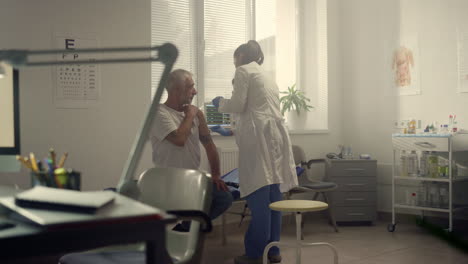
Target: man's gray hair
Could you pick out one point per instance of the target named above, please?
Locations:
(176, 77)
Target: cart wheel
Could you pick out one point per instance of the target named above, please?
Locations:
(391, 227)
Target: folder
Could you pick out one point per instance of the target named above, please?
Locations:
(121, 209)
(41, 197)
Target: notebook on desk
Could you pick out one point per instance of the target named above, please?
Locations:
(121, 208)
(41, 197)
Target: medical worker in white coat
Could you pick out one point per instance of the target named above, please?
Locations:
(266, 164)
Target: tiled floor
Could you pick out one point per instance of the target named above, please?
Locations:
(356, 245)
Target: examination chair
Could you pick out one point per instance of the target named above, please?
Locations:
(306, 184)
(181, 192)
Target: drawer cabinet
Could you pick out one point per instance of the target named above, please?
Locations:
(355, 199)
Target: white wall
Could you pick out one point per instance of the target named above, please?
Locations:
(436, 23)
(369, 28)
(98, 139)
(371, 31)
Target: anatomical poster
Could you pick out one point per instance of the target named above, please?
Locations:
(405, 68)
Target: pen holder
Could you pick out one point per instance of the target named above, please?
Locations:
(69, 180)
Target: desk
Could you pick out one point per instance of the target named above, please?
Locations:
(29, 240)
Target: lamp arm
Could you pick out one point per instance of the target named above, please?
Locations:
(126, 185)
(19, 58)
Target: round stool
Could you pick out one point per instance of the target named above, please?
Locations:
(299, 207)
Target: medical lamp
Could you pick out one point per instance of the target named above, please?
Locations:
(166, 54)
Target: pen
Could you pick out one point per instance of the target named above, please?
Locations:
(28, 162)
(52, 156)
(32, 158)
(39, 166)
(62, 160)
(51, 172)
(24, 161)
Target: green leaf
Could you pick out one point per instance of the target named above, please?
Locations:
(294, 100)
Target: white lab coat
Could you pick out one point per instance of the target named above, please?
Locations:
(265, 154)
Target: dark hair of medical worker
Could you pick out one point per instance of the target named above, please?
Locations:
(250, 52)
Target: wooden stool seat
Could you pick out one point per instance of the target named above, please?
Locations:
(300, 206)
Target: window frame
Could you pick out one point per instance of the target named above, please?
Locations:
(198, 7)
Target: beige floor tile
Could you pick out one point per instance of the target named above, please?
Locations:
(356, 245)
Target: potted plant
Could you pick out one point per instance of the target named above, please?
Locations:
(295, 102)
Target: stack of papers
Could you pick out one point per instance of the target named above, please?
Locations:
(41, 197)
(110, 206)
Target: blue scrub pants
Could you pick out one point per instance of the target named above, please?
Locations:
(265, 225)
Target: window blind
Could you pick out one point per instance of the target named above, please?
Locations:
(266, 33)
(225, 28)
(173, 21)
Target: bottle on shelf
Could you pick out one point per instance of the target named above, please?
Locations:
(412, 163)
(434, 195)
(455, 127)
(412, 126)
(432, 165)
(443, 196)
(410, 197)
(422, 194)
(446, 129)
(443, 167)
(423, 164)
(403, 163)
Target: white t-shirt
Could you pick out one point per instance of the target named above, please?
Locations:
(166, 154)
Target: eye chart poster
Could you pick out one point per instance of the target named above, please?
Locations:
(76, 85)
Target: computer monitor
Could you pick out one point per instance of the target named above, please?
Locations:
(213, 117)
(9, 118)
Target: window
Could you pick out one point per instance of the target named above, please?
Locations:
(293, 36)
(313, 63)
(275, 30)
(225, 28)
(173, 21)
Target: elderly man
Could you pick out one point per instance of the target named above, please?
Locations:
(177, 131)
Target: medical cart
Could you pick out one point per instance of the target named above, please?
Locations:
(446, 145)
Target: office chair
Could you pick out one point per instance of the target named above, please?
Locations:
(320, 187)
(181, 192)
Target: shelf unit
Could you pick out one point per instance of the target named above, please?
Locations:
(448, 143)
